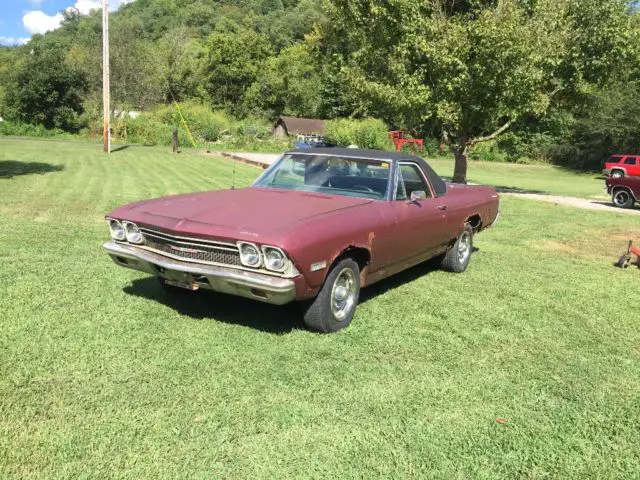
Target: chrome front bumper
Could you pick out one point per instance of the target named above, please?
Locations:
(606, 172)
(254, 285)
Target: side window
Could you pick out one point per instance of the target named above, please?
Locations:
(410, 179)
(615, 159)
(630, 161)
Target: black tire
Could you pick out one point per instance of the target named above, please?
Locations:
(457, 258)
(622, 198)
(319, 315)
(617, 174)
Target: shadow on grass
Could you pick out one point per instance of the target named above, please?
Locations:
(503, 189)
(120, 148)
(208, 305)
(15, 168)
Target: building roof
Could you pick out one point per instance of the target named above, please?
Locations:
(305, 126)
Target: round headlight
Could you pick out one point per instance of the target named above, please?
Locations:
(133, 233)
(249, 254)
(274, 259)
(116, 229)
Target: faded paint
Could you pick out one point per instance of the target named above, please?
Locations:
(316, 227)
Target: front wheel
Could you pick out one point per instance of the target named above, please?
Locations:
(333, 308)
(617, 174)
(457, 258)
(622, 199)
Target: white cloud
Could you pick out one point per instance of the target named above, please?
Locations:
(36, 21)
(10, 41)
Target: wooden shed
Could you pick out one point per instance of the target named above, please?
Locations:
(286, 126)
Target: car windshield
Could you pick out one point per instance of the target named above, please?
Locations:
(352, 177)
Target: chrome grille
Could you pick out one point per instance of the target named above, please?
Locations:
(192, 249)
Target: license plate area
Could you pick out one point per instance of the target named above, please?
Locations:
(192, 286)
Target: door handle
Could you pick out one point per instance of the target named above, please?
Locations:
(442, 207)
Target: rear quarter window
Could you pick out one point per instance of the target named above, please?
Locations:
(614, 159)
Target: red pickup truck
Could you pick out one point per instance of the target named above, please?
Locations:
(624, 191)
(622, 166)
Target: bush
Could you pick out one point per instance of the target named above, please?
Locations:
(367, 133)
(8, 128)
(204, 124)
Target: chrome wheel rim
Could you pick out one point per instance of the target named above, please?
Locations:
(621, 198)
(343, 294)
(616, 175)
(464, 247)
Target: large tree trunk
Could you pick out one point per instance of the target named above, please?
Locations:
(461, 153)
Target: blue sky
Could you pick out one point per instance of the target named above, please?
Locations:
(19, 19)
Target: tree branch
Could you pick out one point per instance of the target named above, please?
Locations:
(492, 136)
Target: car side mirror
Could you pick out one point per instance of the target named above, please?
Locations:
(418, 195)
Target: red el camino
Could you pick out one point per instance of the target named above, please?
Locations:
(316, 227)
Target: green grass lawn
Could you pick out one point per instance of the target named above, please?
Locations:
(104, 376)
(544, 179)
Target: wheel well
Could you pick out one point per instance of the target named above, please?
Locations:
(618, 169)
(359, 254)
(475, 221)
(622, 187)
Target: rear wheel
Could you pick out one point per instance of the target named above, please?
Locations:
(333, 308)
(457, 258)
(617, 174)
(622, 199)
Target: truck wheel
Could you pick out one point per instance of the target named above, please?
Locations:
(458, 256)
(622, 199)
(617, 174)
(333, 308)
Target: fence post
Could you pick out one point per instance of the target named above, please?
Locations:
(174, 140)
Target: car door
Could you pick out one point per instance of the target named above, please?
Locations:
(421, 223)
(633, 166)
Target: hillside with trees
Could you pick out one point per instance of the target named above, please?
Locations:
(515, 80)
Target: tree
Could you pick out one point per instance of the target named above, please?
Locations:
(289, 83)
(472, 68)
(44, 89)
(236, 57)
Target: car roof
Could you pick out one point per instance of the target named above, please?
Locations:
(437, 182)
(357, 153)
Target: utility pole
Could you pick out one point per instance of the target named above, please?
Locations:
(106, 92)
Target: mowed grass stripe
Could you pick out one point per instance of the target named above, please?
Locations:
(105, 376)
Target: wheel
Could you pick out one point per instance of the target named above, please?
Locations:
(333, 308)
(458, 256)
(622, 199)
(617, 174)
(623, 261)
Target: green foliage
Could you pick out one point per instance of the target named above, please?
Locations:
(366, 133)
(290, 84)
(235, 58)
(44, 90)
(416, 64)
(8, 128)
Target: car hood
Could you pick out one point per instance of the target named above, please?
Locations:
(243, 214)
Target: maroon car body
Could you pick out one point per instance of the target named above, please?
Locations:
(201, 240)
(624, 191)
